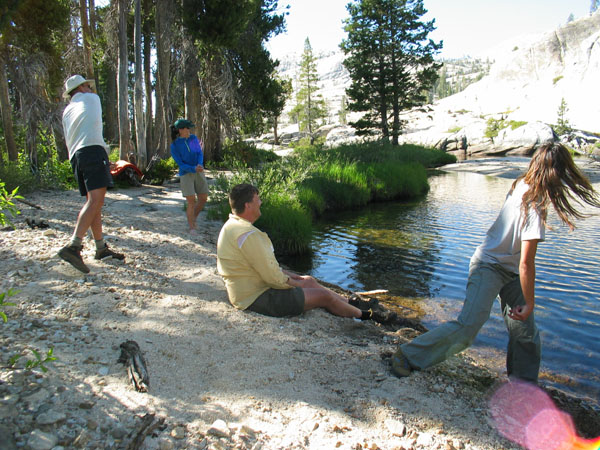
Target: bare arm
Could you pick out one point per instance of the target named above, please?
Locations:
(527, 278)
(295, 280)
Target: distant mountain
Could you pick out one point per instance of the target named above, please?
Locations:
(522, 81)
(528, 80)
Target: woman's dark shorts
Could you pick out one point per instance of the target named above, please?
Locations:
(279, 302)
(91, 168)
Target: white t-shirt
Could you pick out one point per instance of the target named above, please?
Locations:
(82, 122)
(502, 243)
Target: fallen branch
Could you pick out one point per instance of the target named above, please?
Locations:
(28, 203)
(373, 292)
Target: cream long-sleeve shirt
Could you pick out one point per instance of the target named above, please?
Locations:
(247, 263)
(82, 122)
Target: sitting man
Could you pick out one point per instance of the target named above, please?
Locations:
(254, 280)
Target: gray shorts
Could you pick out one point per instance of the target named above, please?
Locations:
(193, 183)
(279, 302)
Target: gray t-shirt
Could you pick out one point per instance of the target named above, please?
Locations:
(502, 243)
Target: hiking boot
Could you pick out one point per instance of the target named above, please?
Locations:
(400, 365)
(106, 252)
(383, 316)
(359, 302)
(72, 255)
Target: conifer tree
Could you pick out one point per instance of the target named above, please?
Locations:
(562, 123)
(310, 106)
(390, 60)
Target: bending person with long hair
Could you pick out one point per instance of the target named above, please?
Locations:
(504, 266)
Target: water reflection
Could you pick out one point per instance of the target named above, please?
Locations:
(422, 250)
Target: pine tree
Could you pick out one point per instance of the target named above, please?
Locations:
(390, 60)
(562, 123)
(310, 106)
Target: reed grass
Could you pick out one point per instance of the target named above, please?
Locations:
(294, 190)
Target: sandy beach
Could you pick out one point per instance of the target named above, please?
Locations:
(219, 378)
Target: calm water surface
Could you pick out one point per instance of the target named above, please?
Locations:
(422, 250)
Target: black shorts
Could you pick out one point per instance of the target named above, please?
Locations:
(279, 302)
(91, 168)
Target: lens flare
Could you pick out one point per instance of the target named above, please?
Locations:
(526, 415)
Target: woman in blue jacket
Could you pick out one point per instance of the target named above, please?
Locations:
(187, 153)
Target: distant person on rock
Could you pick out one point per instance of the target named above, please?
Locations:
(253, 277)
(504, 266)
(187, 153)
(88, 153)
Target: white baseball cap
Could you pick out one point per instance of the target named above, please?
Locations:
(74, 82)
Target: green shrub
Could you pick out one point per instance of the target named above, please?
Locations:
(557, 79)
(454, 129)
(246, 154)
(7, 207)
(114, 154)
(162, 170)
(514, 124)
(494, 126)
(50, 174)
(17, 174)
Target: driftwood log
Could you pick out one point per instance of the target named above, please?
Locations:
(133, 359)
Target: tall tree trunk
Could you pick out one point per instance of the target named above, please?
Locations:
(275, 133)
(31, 145)
(87, 41)
(109, 107)
(191, 83)
(6, 110)
(124, 131)
(140, 127)
(164, 39)
(147, 32)
(59, 138)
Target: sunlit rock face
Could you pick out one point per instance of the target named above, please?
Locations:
(527, 81)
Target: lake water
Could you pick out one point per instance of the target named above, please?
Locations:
(422, 249)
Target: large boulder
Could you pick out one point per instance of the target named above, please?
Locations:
(340, 135)
(523, 141)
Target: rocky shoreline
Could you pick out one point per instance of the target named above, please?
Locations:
(219, 378)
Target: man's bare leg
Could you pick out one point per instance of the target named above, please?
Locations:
(91, 214)
(324, 298)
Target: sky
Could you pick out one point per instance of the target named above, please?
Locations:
(467, 27)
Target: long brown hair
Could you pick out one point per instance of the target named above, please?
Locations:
(554, 178)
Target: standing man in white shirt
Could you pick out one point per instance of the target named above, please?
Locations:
(88, 153)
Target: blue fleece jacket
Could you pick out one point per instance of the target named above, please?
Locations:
(187, 153)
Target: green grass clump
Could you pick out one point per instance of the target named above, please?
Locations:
(287, 223)
(316, 179)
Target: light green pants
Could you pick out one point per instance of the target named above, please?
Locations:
(486, 282)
